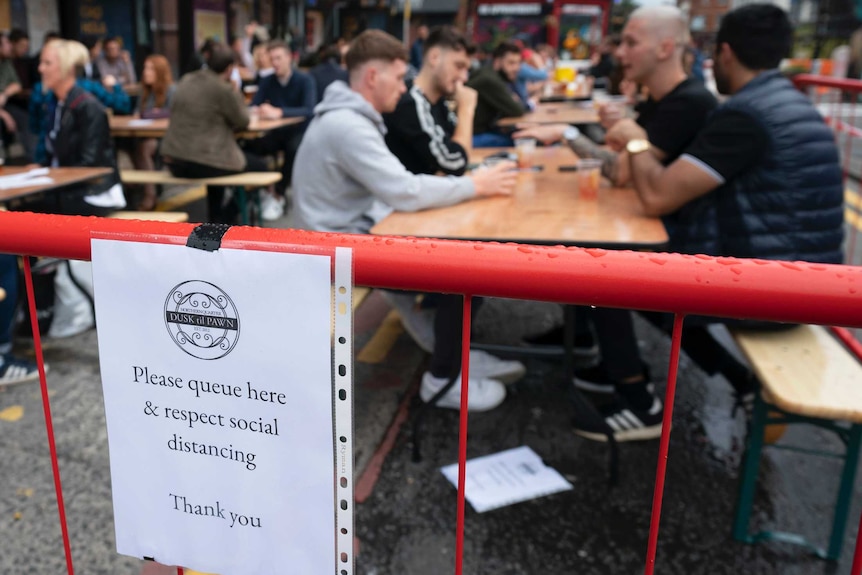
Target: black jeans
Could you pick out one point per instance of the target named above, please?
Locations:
(216, 211)
(621, 356)
(285, 140)
(448, 329)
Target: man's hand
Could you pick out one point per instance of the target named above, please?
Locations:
(269, 112)
(126, 56)
(623, 132)
(109, 81)
(610, 113)
(498, 180)
(466, 97)
(545, 133)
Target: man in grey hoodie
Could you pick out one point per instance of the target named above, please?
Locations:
(343, 166)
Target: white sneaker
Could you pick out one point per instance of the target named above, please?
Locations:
(73, 313)
(271, 207)
(485, 365)
(484, 394)
(418, 322)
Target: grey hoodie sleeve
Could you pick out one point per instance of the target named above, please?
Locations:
(368, 161)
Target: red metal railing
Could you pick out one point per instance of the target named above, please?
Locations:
(680, 284)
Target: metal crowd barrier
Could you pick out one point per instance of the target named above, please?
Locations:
(679, 284)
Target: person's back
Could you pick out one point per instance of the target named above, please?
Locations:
(326, 73)
(205, 113)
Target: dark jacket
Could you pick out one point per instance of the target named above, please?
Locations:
(790, 206)
(205, 113)
(84, 139)
(296, 98)
(325, 74)
(496, 100)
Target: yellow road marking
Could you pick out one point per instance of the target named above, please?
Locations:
(376, 350)
(182, 199)
(13, 413)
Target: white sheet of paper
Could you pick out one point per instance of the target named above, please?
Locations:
(507, 477)
(38, 181)
(219, 511)
(139, 123)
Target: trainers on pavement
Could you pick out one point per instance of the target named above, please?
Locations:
(271, 207)
(484, 394)
(15, 370)
(627, 423)
(485, 365)
(418, 322)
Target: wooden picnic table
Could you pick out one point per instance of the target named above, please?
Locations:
(559, 113)
(61, 177)
(134, 127)
(546, 208)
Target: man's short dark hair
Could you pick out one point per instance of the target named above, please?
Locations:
(278, 44)
(759, 34)
(374, 45)
(110, 39)
(446, 37)
(17, 34)
(220, 58)
(504, 48)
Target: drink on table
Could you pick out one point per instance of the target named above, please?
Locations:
(589, 178)
(525, 149)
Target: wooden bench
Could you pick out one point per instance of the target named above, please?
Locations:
(806, 376)
(178, 217)
(237, 181)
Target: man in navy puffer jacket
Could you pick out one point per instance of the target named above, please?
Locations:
(761, 180)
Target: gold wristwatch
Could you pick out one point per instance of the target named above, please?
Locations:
(637, 146)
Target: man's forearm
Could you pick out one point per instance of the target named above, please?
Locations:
(646, 171)
(586, 148)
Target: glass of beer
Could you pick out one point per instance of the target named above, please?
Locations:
(525, 149)
(589, 178)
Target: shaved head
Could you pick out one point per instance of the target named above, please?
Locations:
(663, 23)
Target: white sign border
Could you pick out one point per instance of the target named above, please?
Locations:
(342, 374)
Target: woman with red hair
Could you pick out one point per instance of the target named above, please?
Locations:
(157, 90)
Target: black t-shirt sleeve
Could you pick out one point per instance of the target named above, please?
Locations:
(730, 143)
(675, 123)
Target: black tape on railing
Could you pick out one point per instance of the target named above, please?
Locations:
(207, 237)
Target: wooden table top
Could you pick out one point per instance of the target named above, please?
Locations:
(562, 113)
(133, 127)
(545, 208)
(61, 177)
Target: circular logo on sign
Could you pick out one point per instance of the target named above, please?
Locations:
(202, 319)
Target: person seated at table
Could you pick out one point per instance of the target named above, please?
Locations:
(13, 120)
(116, 62)
(330, 69)
(287, 93)
(602, 62)
(343, 166)
(200, 143)
(262, 64)
(651, 54)
(497, 97)
(532, 75)
(107, 91)
(79, 136)
(423, 136)
(94, 47)
(13, 369)
(157, 92)
(762, 179)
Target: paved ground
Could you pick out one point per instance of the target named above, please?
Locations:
(406, 519)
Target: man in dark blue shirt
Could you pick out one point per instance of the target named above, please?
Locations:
(286, 93)
(328, 70)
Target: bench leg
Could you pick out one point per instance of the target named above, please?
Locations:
(242, 200)
(845, 492)
(750, 469)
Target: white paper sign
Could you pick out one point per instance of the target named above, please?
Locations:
(505, 478)
(217, 377)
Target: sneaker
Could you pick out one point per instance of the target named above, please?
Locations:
(584, 347)
(626, 422)
(484, 394)
(485, 365)
(14, 370)
(418, 322)
(271, 206)
(596, 380)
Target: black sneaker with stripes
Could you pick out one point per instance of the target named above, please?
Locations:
(627, 423)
